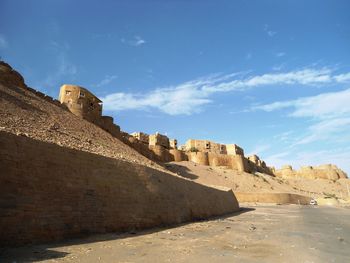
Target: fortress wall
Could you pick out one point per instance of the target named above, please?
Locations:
(276, 198)
(328, 171)
(199, 157)
(239, 163)
(162, 154)
(285, 172)
(178, 155)
(51, 193)
(219, 160)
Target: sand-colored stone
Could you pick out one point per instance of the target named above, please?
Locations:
(276, 198)
(173, 144)
(325, 171)
(51, 192)
(159, 139)
(142, 137)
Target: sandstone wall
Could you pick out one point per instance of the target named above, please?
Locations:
(199, 157)
(276, 198)
(50, 193)
(326, 171)
(178, 155)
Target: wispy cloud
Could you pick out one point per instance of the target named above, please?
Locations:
(189, 97)
(329, 113)
(3, 42)
(64, 70)
(105, 81)
(322, 106)
(135, 41)
(280, 54)
(260, 148)
(343, 77)
(249, 56)
(268, 31)
(337, 156)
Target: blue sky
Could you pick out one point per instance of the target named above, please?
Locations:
(271, 76)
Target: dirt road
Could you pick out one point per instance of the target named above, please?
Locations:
(257, 234)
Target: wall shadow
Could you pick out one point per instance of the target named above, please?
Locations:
(181, 170)
(35, 253)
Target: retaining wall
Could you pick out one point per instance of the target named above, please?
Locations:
(276, 198)
(48, 193)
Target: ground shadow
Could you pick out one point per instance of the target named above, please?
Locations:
(35, 253)
(180, 170)
(20, 103)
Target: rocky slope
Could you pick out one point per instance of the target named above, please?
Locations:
(26, 112)
(261, 183)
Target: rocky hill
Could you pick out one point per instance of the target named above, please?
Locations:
(26, 112)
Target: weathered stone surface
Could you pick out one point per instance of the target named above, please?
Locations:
(325, 171)
(50, 193)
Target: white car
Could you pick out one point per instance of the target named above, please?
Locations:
(313, 202)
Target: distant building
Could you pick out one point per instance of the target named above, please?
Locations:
(173, 144)
(202, 146)
(142, 137)
(159, 139)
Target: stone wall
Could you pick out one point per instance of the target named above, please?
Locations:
(159, 139)
(325, 171)
(275, 198)
(236, 162)
(50, 193)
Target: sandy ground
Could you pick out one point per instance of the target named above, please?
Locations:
(257, 234)
(245, 182)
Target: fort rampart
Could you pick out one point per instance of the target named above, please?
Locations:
(49, 193)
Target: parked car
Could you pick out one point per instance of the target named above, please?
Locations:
(313, 202)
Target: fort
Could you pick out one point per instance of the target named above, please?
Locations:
(326, 171)
(158, 147)
(68, 171)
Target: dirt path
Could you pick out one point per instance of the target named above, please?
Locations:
(260, 234)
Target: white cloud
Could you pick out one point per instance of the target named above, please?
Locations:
(135, 41)
(64, 68)
(329, 112)
(343, 77)
(280, 54)
(326, 105)
(337, 156)
(183, 99)
(3, 42)
(259, 149)
(189, 97)
(268, 31)
(105, 81)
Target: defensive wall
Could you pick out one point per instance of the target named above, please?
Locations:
(230, 155)
(50, 193)
(275, 198)
(326, 171)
